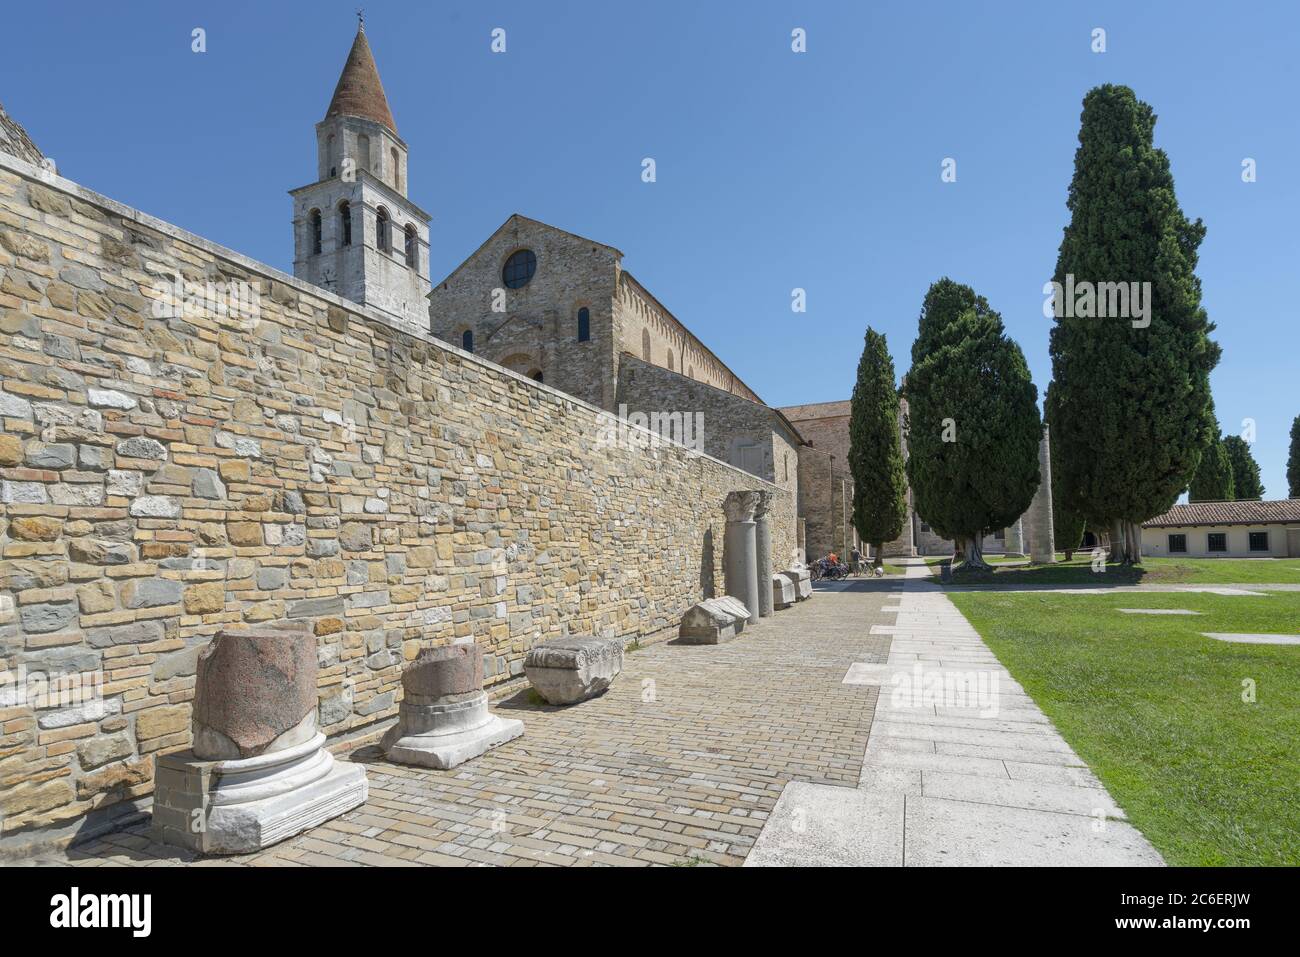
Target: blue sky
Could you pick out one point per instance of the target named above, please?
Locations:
(775, 170)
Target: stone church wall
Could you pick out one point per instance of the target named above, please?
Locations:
(163, 477)
(539, 327)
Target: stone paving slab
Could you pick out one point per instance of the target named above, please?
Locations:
(1158, 611)
(983, 776)
(1251, 639)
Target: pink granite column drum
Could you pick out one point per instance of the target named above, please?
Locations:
(443, 719)
(255, 692)
(257, 772)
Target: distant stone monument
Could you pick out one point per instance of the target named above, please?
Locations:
(1037, 522)
(443, 719)
(257, 772)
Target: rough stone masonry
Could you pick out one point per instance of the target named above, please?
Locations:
(166, 476)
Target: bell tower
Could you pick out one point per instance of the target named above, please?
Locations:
(355, 231)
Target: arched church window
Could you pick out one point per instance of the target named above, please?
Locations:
(519, 268)
(397, 168)
(383, 231)
(584, 325)
(345, 222)
(412, 246)
(645, 344)
(467, 340)
(314, 220)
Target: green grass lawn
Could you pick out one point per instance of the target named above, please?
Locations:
(1191, 571)
(1156, 710)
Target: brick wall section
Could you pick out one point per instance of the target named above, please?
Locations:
(163, 478)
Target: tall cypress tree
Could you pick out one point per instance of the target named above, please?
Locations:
(1212, 481)
(1067, 526)
(1134, 393)
(875, 453)
(1293, 461)
(1246, 483)
(973, 424)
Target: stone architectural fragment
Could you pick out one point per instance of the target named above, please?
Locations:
(763, 547)
(443, 719)
(783, 591)
(258, 772)
(713, 621)
(801, 578)
(741, 549)
(570, 670)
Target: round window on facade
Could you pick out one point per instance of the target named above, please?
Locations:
(519, 268)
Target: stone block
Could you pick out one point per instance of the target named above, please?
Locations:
(783, 591)
(713, 621)
(569, 670)
(802, 579)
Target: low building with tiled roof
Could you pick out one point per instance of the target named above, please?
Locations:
(1226, 530)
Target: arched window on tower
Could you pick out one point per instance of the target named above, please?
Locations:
(584, 325)
(467, 340)
(363, 152)
(645, 344)
(412, 246)
(329, 155)
(314, 225)
(383, 231)
(397, 168)
(345, 223)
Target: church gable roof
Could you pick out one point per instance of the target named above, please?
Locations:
(359, 91)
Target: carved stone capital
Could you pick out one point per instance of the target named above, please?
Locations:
(739, 506)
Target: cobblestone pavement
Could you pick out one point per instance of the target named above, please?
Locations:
(679, 763)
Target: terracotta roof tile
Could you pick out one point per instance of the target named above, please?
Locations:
(1228, 513)
(359, 92)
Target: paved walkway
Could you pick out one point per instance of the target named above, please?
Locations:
(681, 762)
(961, 767)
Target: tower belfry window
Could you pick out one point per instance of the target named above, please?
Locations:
(383, 231)
(412, 246)
(345, 223)
(314, 219)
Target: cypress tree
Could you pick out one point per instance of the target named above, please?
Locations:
(973, 424)
(1067, 526)
(1212, 481)
(875, 453)
(1246, 483)
(1134, 393)
(1293, 461)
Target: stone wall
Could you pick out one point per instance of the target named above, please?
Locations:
(165, 476)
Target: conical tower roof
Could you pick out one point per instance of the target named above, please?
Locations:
(359, 92)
